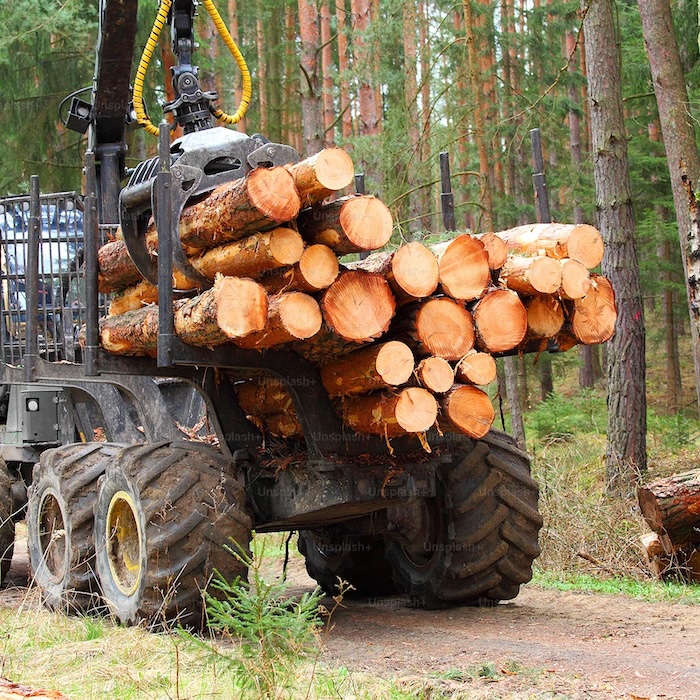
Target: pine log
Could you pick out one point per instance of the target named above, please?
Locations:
(496, 249)
(437, 326)
(657, 559)
(575, 279)
(476, 368)
(530, 276)
(412, 410)
(358, 306)
(232, 308)
(375, 367)
(500, 321)
(412, 271)
(435, 374)
(132, 298)
(321, 175)
(593, 317)
(291, 316)
(467, 409)
(116, 268)
(262, 200)
(15, 691)
(671, 507)
(348, 225)
(283, 425)
(545, 316)
(266, 396)
(464, 267)
(325, 346)
(317, 269)
(579, 242)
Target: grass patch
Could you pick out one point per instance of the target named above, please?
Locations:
(650, 591)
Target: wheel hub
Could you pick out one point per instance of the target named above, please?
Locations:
(52, 536)
(123, 544)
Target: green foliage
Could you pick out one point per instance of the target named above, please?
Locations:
(562, 417)
(268, 635)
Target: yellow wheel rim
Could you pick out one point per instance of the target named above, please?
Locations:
(124, 543)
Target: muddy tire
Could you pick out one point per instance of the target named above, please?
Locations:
(479, 534)
(59, 523)
(359, 561)
(164, 514)
(7, 521)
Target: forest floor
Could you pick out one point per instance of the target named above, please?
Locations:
(543, 644)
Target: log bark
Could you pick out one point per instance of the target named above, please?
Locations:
(671, 507)
(116, 268)
(464, 267)
(348, 225)
(412, 410)
(412, 271)
(496, 249)
(468, 410)
(531, 275)
(316, 270)
(283, 425)
(593, 317)
(15, 691)
(321, 175)
(232, 308)
(437, 326)
(579, 242)
(500, 321)
(545, 316)
(657, 559)
(291, 316)
(325, 346)
(261, 201)
(264, 397)
(249, 257)
(476, 368)
(575, 279)
(358, 306)
(435, 374)
(376, 367)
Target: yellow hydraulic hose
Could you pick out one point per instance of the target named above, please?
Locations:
(149, 48)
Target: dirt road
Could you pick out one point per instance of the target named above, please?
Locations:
(543, 644)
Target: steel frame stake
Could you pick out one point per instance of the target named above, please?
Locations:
(164, 226)
(447, 201)
(32, 280)
(92, 332)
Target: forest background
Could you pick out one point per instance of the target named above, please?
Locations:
(397, 82)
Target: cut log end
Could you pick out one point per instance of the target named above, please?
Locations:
(464, 267)
(416, 410)
(500, 320)
(528, 275)
(575, 279)
(545, 316)
(318, 266)
(476, 368)
(241, 306)
(469, 410)
(585, 245)
(366, 222)
(286, 245)
(359, 306)
(415, 270)
(594, 316)
(444, 328)
(496, 250)
(435, 374)
(273, 193)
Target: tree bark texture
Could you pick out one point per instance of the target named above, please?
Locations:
(626, 445)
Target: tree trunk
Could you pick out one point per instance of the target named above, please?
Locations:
(677, 129)
(369, 109)
(343, 68)
(326, 73)
(626, 444)
(311, 106)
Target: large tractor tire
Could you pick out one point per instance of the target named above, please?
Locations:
(477, 537)
(164, 514)
(7, 521)
(59, 523)
(357, 560)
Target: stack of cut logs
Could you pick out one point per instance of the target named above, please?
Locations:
(671, 507)
(403, 339)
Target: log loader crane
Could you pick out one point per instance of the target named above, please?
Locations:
(121, 510)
